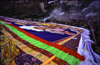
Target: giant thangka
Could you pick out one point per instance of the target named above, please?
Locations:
(49, 43)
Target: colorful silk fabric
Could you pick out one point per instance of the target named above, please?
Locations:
(42, 48)
(8, 49)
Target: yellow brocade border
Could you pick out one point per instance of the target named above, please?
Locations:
(28, 50)
(62, 42)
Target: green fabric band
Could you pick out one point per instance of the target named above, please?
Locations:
(60, 54)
